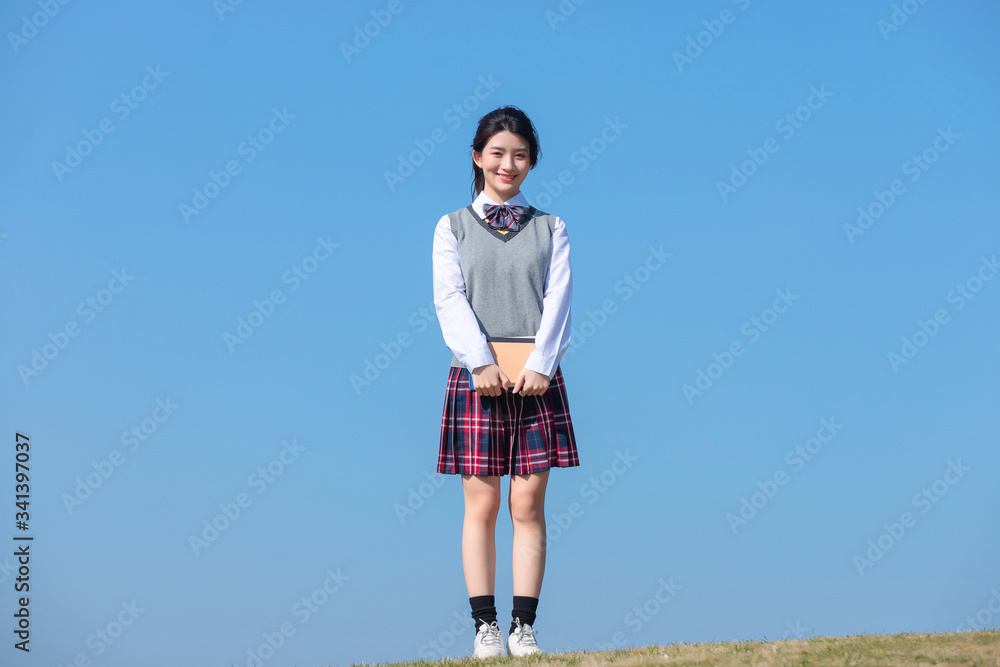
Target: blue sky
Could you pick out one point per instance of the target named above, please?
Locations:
(217, 218)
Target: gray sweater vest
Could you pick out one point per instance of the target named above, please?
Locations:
(504, 273)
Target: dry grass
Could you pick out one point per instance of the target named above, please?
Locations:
(970, 649)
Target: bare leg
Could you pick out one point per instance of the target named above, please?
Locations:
(527, 512)
(479, 553)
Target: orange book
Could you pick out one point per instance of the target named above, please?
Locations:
(510, 354)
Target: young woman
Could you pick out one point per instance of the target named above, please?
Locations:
(501, 269)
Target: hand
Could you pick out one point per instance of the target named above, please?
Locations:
(531, 383)
(489, 380)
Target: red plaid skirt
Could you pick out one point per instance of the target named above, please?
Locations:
(488, 435)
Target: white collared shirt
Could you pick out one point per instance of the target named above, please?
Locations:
(458, 321)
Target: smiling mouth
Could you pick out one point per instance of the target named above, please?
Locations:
(505, 178)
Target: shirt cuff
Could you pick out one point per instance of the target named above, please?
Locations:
(536, 362)
(474, 361)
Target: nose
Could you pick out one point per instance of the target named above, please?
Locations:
(508, 163)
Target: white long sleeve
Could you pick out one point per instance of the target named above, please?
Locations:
(456, 317)
(552, 339)
(460, 326)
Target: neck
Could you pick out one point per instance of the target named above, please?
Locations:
(492, 194)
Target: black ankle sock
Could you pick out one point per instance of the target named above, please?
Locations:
(524, 609)
(483, 610)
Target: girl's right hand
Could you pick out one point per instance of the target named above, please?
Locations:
(489, 380)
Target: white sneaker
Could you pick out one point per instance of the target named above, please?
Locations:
(521, 641)
(489, 641)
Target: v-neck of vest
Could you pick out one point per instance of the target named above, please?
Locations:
(529, 215)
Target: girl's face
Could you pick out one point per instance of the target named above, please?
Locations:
(505, 162)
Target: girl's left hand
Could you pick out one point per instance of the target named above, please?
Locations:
(531, 383)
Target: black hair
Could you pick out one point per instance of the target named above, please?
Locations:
(508, 118)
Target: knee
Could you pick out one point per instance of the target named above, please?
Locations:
(484, 508)
(526, 510)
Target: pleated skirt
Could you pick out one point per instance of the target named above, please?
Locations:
(506, 434)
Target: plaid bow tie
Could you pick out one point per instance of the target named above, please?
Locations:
(503, 217)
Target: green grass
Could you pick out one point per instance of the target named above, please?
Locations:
(971, 649)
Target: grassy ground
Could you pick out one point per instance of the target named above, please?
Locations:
(973, 649)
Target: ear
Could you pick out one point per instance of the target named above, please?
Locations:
(477, 158)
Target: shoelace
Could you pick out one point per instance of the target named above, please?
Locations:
(525, 634)
(491, 635)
